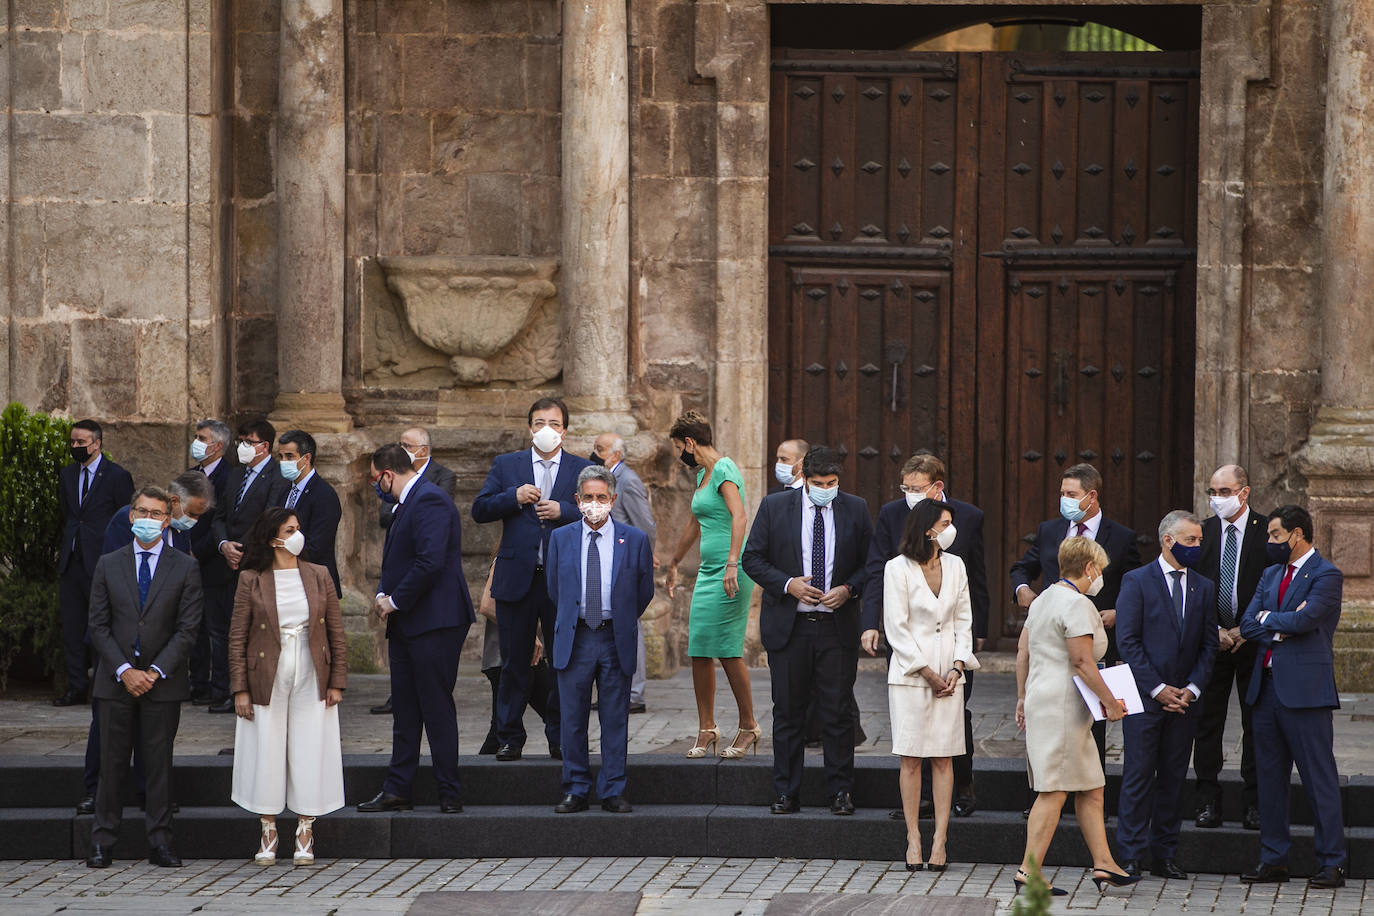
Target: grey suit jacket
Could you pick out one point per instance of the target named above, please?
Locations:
(632, 503)
(165, 630)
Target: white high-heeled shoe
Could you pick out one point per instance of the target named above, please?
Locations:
(305, 842)
(267, 849)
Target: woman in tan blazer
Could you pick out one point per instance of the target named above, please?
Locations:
(287, 670)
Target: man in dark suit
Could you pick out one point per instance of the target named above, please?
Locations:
(1293, 618)
(209, 450)
(807, 550)
(531, 494)
(88, 492)
(601, 578)
(1233, 556)
(923, 477)
(416, 442)
(145, 608)
(1080, 511)
(1167, 631)
(424, 600)
(251, 487)
(312, 498)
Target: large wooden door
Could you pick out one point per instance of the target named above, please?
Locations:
(991, 256)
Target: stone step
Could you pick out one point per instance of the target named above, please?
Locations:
(651, 830)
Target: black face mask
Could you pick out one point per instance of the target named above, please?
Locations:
(594, 458)
(688, 458)
(81, 453)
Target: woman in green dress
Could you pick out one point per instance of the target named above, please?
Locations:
(720, 599)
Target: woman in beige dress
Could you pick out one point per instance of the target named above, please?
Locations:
(929, 624)
(1063, 637)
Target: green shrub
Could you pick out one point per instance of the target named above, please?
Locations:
(33, 448)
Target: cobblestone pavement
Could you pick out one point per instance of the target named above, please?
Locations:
(701, 887)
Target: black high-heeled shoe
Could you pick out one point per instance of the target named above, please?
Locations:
(1020, 879)
(915, 866)
(1112, 879)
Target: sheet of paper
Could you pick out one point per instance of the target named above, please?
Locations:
(1121, 682)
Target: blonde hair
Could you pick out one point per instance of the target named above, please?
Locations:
(1076, 553)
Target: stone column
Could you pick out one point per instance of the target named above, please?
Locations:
(310, 214)
(1338, 459)
(595, 274)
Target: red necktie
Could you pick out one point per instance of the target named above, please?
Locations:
(1283, 590)
(1082, 528)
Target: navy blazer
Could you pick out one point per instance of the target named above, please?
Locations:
(213, 570)
(1041, 560)
(318, 511)
(232, 523)
(422, 565)
(119, 532)
(111, 487)
(1150, 638)
(435, 473)
(967, 546)
(1304, 666)
(522, 532)
(1252, 557)
(632, 588)
(773, 554)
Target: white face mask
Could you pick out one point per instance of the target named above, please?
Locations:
(294, 543)
(247, 453)
(413, 456)
(1225, 507)
(595, 513)
(945, 539)
(1095, 586)
(913, 498)
(783, 472)
(547, 439)
(199, 450)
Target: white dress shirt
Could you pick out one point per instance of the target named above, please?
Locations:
(210, 468)
(155, 552)
(797, 482)
(538, 467)
(1169, 584)
(604, 548)
(808, 522)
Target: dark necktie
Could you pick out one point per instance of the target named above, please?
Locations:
(818, 549)
(291, 497)
(145, 576)
(593, 579)
(1226, 606)
(1176, 592)
(243, 490)
(85, 484)
(1082, 529)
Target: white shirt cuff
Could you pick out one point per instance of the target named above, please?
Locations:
(119, 672)
(1196, 691)
(788, 584)
(1261, 616)
(1154, 693)
(388, 601)
(1018, 589)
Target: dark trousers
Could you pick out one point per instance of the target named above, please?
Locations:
(219, 609)
(594, 661)
(156, 729)
(201, 664)
(815, 662)
(516, 625)
(1231, 668)
(540, 677)
(90, 779)
(424, 669)
(1284, 737)
(963, 764)
(1154, 769)
(74, 601)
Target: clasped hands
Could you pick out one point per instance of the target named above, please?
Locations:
(1174, 699)
(1229, 640)
(547, 510)
(943, 686)
(137, 681)
(801, 589)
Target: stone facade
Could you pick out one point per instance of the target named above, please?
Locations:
(154, 154)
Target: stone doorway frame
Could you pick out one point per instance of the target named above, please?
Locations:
(733, 49)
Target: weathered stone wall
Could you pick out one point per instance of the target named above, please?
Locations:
(108, 179)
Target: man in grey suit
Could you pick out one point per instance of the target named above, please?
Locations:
(145, 613)
(631, 508)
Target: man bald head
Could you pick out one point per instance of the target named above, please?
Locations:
(416, 443)
(789, 460)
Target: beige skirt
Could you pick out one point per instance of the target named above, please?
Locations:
(923, 726)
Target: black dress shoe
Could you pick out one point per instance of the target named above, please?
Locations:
(638, 708)
(221, 706)
(555, 752)
(1168, 868)
(1251, 821)
(571, 804)
(1131, 867)
(1209, 816)
(896, 814)
(200, 697)
(382, 710)
(70, 698)
(384, 801)
(785, 804)
(163, 857)
(86, 805)
(616, 804)
(1266, 874)
(965, 805)
(1331, 876)
(100, 857)
(507, 752)
(450, 805)
(842, 804)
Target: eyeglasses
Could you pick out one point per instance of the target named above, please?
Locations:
(1223, 492)
(552, 424)
(252, 442)
(602, 498)
(906, 489)
(156, 515)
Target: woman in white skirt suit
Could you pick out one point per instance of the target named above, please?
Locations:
(929, 625)
(287, 669)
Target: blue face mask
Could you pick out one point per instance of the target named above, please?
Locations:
(146, 530)
(1069, 508)
(821, 496)
(1187, 557)
(290, 469)
(783, 472)
(1277, 553)
(383, 495)
(183, 523)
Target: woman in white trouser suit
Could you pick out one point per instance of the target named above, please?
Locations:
(287, 670)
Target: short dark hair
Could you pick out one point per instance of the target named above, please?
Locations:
(91, 427)
(302, 440)
(691, 425)
(156, 493)
(1087, 475)
(1294, 518)
(391, 457)
(822, 461)
(257, 548)
(260, 428)
(545, 404)
(915, 544)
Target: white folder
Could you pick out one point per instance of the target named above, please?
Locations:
(1121, 682)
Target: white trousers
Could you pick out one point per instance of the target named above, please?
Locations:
(290, 754)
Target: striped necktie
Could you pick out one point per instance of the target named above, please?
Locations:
(1226, 607)
(247, 482)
